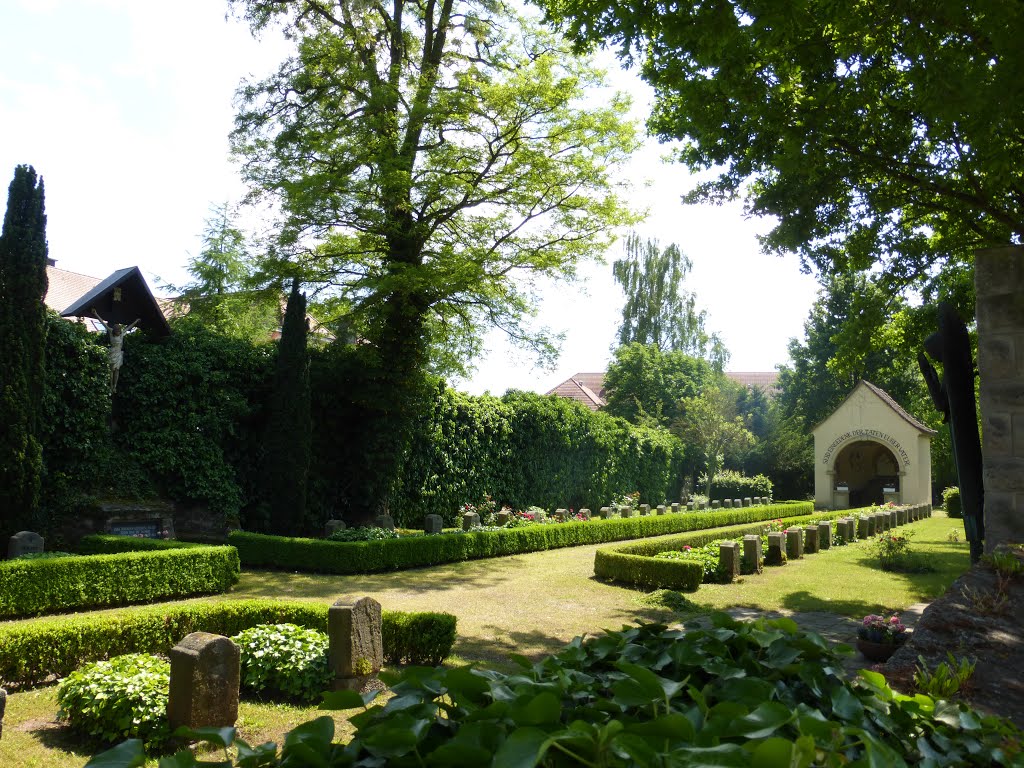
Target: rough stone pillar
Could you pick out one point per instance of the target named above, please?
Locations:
(355, 649)
(824, 535)
(205, 673)
(811, 539)
(470, 520)
(435, 523)
(625, 511)
(776, 548)
(851, 529)
(333, 525)
(662, 509)
(794, 543)
(606, 513)
(729, 559)
(24, 543)
(862, 528)
(752, 554)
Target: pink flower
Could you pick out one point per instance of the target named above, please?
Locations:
(686, 548)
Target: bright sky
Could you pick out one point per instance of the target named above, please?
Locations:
(124, 107)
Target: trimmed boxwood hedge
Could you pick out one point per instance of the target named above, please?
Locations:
(635, 563)
(109, 544)
(320, 555)
(31, 652)
(33, 587)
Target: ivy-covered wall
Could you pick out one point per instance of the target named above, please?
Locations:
(189, 420)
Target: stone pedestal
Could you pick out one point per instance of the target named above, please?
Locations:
(205, 674)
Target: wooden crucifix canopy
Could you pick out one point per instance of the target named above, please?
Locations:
(122, 298)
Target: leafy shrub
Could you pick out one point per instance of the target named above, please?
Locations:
(108, 544)
(32, 651)
(947, 679)
(363, 534)
(257, 550)
(648, 572)
(735, 694)
(707, 556)
(125, 697)
(43, 555)
(894, 553)
(284, 660)
(730, 484)
(32, 587)
(951, 501)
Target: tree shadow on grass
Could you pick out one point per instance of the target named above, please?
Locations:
(803, 601)
(54, 735)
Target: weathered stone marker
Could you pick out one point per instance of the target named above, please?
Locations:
(24, 543)
(3, 706)
(606, 512)
(752, 554)
(862, 528)
(690, 506)
(585, 513)
(470, 520)
(385, 521)
(714, 505)
(645, 509)
(811, 539)
(355, 650)
(794, 543)
(729, 559)
(333, 525)
(662, 509)
(776, 548)
(757, 501)
(727, 503)
(561, 514)
(747, 501)
(625, 511)
(205, 673)
(433, 524)
(675, 507)
(824, 535)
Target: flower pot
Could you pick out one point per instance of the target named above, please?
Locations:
(877, 652)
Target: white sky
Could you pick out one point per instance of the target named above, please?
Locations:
(124, 108)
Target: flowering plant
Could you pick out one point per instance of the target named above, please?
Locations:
(879, 629)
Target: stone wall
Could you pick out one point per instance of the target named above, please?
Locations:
(999, 280)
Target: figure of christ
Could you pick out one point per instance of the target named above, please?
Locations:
(115, 353)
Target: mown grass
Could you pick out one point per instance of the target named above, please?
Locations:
(533, 604)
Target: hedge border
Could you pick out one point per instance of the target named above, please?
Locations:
(354, 557)
(31, 652)
(109, 544)
(635, 564)
(58, 585)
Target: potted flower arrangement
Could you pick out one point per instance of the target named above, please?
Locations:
(878, 637)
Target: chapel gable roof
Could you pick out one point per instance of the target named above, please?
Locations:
(886, 398)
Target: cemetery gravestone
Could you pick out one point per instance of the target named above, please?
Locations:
(355, 649)
(729, 560)
(561, 515)
(727, 503)
(3, 706)
(385, 521)
(585, 513)
(714, 505)
(470, 520)
(675, 507)
(606, 513)
(752, 554)
(645, 509)
(662, 509)
(824, 536)
(748, 502)
(626, 511)
(24, 543)
(205, 674)
(690, 506)
(776, 548)
(811, 539)
(862, 528)
(333, 525)
(433, 524)
(794, 544)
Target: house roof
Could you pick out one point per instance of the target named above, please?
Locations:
(63, 287)
(123, 298)
(588, 388)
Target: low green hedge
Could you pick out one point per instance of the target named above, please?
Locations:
(635, 563)
(33, 587)
(31, 652)
(108, 544)
(320, 555)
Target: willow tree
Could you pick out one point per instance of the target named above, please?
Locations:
(22, 343)
(431, 161)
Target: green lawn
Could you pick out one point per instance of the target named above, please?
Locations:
(533, 604)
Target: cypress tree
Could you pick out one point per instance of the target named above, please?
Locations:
(22, 341)
(289, 437)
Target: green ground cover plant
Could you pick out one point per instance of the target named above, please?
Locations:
(739, 693)
(284, 660)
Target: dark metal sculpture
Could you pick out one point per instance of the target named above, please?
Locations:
(954, 398)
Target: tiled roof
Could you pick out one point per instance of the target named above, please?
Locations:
(887, 399)
(588, 388)
(65, 287)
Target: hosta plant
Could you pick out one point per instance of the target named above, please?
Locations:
(284, 660)
(124, 697)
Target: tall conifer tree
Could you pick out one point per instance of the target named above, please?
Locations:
(22, 340)
(289, 430)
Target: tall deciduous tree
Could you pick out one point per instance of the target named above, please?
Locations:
(658, 309)
(888, 132)
(22, 343)
(289, 429)
(431, 161)
(645, 384)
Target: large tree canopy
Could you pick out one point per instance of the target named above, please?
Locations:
(887, 132)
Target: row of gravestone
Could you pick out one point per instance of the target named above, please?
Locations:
(796, 542)
(470, 520)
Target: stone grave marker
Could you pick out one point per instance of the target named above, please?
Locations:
(729, 559)
(824, 535)
(757, 501)
(433, 524)
(645, 509)
(714, 505)
(811, 539)
(625, 511)
(585, 513)
(333, 525)
(540, 516)
(3, 707)
(752, 554)
(862, 527)
(355, 649)
(24, 543)
(727, 503)
(675, 506)
(794, 543)
(747, 501)
(776, 548)
(205, 674)
(662, 509)
(385, 521)
(470, 520)
(690, 506)
(606, 513)
(561, 514)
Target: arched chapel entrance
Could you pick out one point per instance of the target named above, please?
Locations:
(869, 471)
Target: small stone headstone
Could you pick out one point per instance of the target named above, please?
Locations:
(470, 520)
(776, 548)
(561, 515)
(727, 503)
(757, 501)
(205, 674)
(824, 535)
(626, 511)
(794, 543)
(662, 509)
(714, 505)
(24, 543)
(862, 528)
(606, 513)
(3, 706)
(502, 518)
(811, 539)
(893, 519)
(691, 506)
(675, 507)
(333, 525)
(729, 560)
(585, 513)
(355, 648)
(433, 524)
(851, 529)
(748, 502)
(385, 521)
(645, 509)
(752, 554)
(872, 525)
(538, 517)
